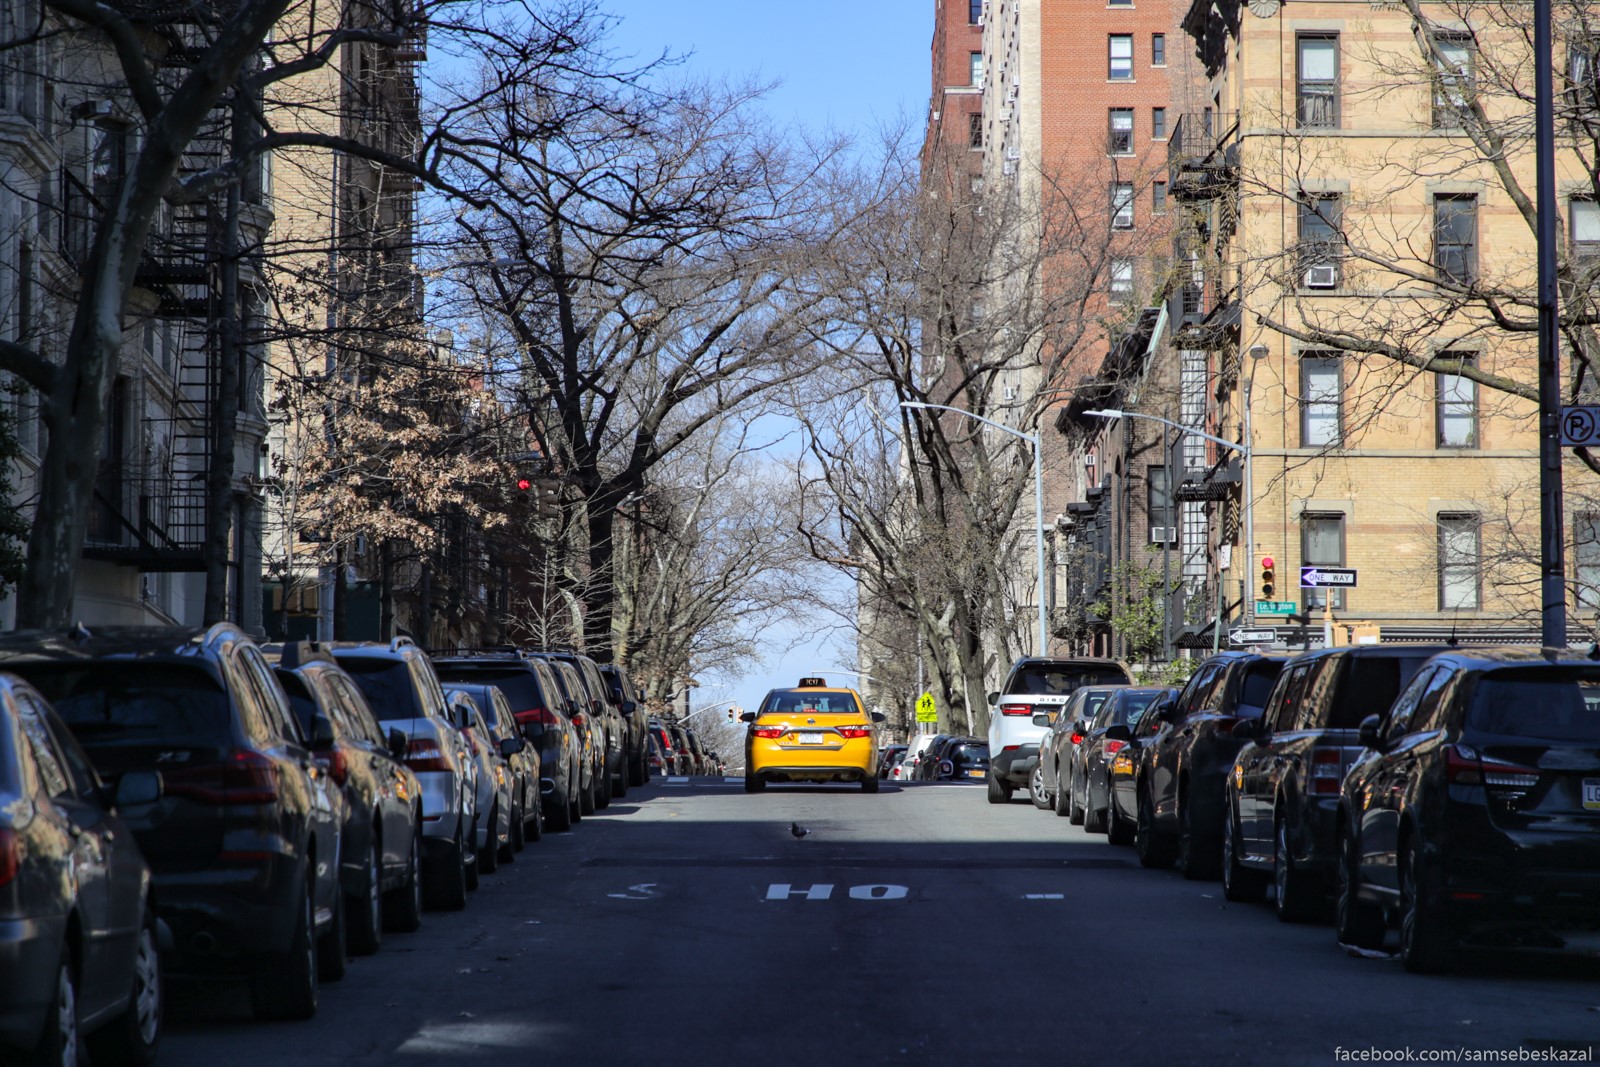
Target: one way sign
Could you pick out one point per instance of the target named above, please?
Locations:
(1315, 577)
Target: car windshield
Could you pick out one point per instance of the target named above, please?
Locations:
(519, 684)
(811, 704)
(116, 703)
(1256, 687)
(1542, 704)
(386, 683)
(1369, 687)
(970, 753)
(1092, 703)
(1049, 679)
(1130, 709)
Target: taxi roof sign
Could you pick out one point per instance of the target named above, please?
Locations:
(813, 683)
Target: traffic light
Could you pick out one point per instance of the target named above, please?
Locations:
(524, 484)
(1268, 578)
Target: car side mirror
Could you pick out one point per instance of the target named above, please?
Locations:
(322, 733)
(877, 717)
(398, 744)
(137, 787)
(1168, 713)
(748, 716)
(1369, 733)
(1118, 732)
(510, 746)
(994, 698)
(629, 707)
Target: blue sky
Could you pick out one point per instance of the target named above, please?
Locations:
(846, 65)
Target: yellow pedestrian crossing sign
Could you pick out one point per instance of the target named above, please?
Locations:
(927, 711)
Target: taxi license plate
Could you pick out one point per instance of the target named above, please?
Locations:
(811, 738)
(977, 772)
(1591, 794)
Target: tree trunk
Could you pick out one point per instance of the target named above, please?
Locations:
(600, 596)
(225, 404)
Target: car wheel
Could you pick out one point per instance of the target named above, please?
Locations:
(473, 857)
(1155, 848)
(1061, 803)
(1427, 943)
(518, 836)
(1075, 811)
(284, 985)
(537, 831)
(753, 783)
(1036, 791)
(638, 771)
(489, 854)
(559, 816)
(61, 1044)
(869, 784)
(1240, 884)
(1355, 921)
(1118, 832)
(999, 792)
(586, 798)
(331, 959)
(131, 1039)
(602, 786)
(1197, 853)
(1094, 819)
(364, 911)
(1295, 899)
(449, 883)
(402, 907)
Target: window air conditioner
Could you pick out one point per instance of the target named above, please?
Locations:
(1163, 535)
(1010, 392)
(1090, 459)
(1322, 276)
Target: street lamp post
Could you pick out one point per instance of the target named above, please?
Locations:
(1243, 449)
(1038, 501)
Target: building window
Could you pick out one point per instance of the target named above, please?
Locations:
(1121, 281)
(1122, 205)
(1321, 401)
(1158, 197)
(1453, 74)
(1320, 246)
(1160, 515)
(975, 130)
(1119, 3)
(1457, 405)
(1158, 49)
(1121, 57)
(975, 12)
(1120, 140)
(1583, 74)
(1583, 221)
(1317, 80)
(1455, 237)
(1459, 559)
(975, 69)
(1322, 545)
(1158, 124)
(1586, 560)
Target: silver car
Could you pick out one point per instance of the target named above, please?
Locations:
(494, 780)
(398, 681)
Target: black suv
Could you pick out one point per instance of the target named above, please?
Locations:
(1474, 814)
(1283, 793)
(1183, 768)
(244, 841)
(626, 699)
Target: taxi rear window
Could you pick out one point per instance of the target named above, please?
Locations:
(811, 704)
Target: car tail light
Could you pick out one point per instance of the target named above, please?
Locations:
(10, 856)
(1016, 709)
(1464, 765)
(242, 777)
(539, 716)
(1010, 748)
(853, 733)
(424, 754)
(1327, 769)
(1113, 747)
(1076, 738)
(333, 760)
(769, 732)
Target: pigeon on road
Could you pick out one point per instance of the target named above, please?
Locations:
(797, 830)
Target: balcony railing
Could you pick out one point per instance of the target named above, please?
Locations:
(1199, 157)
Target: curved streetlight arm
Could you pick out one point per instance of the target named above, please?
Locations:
(1113, 413)
(971, 415)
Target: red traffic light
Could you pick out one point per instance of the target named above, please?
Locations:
(1266, 563)
(1268, 577)
(524, 484)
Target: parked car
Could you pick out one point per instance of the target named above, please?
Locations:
(244, 839)
(656, 758)
(611, 728)
(688, 758)
(521, 762)
(492, 828)
(965, 760)
(1034, 688)
(380, 850)
(538, 707)
(918, 744)
(1474, 813)
(1103, 737)
(702, 761)
(1059, 745)
(891, 755)
(574, 698)
(631, 708)
(1281, 821)
(78, 933)
(667, 742)
(403, 691)
(1182, 769)
(1123, 813)
(928, 768)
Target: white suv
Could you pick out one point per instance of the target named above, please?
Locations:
(1034, 690)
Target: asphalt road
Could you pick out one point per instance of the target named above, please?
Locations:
(921, 925)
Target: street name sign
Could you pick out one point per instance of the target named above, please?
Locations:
(1580, 425)
(927, 711)
(1242, 636)
(1276, 607)
(1314, 577)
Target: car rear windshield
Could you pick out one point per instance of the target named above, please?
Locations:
(1130, 709)
(1258, 681)
(811, 704)
(1369, 686)
(970, 753)
(1062, 679)
(117, 703)
(387, 685)
(1542, 704)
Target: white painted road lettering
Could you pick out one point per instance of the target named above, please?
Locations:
(783, 891)
(1044, 896)
(824, 891)
(877, 892)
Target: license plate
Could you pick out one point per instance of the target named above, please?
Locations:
(1591, 794)
(811, 739)
(977, 772)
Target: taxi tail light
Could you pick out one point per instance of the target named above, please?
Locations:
(424, 754)
(10, 856)
(1327, 768)
(1113, 747)
(769, 732)
(852, 733)
(1016, 709)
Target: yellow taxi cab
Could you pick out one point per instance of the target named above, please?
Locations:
(814, 732)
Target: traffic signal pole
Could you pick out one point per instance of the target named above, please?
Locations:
(1552, 543)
